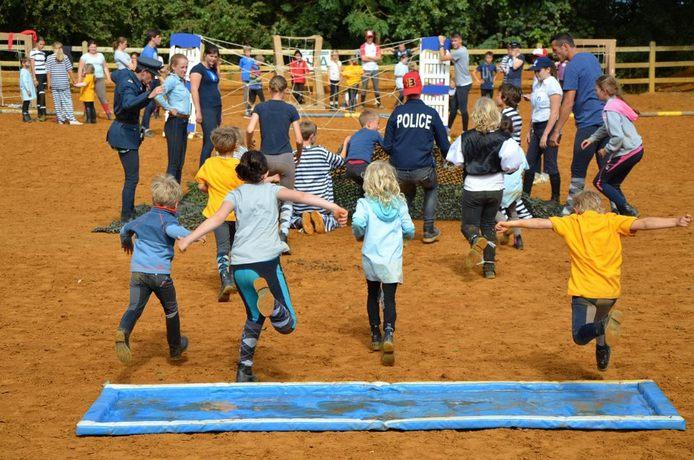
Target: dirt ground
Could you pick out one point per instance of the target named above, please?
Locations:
(65, 288)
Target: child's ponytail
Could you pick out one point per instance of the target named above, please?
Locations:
(611, 86)
(252, 167)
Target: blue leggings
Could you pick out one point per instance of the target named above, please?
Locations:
(587, 317)
(612, 174)
(244, 276)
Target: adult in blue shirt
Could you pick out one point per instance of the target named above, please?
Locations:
(150, 52)
(410, 134)
(204, 88)
(132, 94)
(579, 96)
(176, 100)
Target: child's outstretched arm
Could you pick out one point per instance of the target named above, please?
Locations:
(295, 196)
(345, 143)
(540, 224)
(656, 223)
(210, 224)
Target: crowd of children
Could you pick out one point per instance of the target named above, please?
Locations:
(256, 195)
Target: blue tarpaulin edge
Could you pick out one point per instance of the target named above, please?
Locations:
(666, 415)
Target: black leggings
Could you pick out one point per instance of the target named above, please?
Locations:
(298, 92)
(335, 92)
(372, 307)
(41, 94)
(459, 102)
(176, 130)
(130, 160)
(479, 218)
(612, 174)
(353, 91)
(25, 107)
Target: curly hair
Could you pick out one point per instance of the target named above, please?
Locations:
(485, 115)
(381, 183)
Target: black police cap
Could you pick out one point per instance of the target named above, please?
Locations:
(150, 65)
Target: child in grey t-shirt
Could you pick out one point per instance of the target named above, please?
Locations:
(255, 259)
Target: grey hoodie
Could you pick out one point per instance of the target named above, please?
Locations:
(619, 127)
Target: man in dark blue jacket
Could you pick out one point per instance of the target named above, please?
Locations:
(410, 134)
(124, 135)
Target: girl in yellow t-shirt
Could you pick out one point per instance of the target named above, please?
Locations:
(352, 74)
(217, 177)
(87, 93)
(595, 251)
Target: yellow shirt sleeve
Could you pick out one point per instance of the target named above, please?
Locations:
(201, 175)
(622, 224)
(559, 225)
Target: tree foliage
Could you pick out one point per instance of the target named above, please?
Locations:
(342, 22)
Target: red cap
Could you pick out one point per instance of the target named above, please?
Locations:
(411, 83)
(369, 33)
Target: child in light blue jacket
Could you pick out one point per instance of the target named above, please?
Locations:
(382, 221)
(26, 86)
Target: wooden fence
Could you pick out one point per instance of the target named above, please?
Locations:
(621, 52)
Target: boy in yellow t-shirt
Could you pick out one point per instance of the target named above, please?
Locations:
(595, 250)
(217, 177)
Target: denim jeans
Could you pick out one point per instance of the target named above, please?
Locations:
(176, 130)
(211, 119)
(425, 178)
(142, 285)
(130, 159)
(586, 317)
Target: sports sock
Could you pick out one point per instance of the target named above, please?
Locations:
(249, 340)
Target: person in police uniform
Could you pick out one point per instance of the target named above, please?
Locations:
(125, 135)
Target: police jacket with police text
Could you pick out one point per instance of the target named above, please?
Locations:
(130, 96)
(411, 132)
(481, 151)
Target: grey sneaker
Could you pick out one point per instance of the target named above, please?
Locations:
(244, 374)
(430, 236)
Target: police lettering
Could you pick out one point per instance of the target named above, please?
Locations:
(413, 120)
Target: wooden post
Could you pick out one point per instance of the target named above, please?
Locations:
(320, 90)
(611, 49)
(651, 68)
(279, 57)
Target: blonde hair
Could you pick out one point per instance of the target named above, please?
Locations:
(367, 116)
(588, 201)
(58, 51)
(88, 68)
(412, 66)
(485, 115)
(609, 84)
(166, 191)
(381, 183)
(175, 59)
(225, 139)
(308, 129)
(278, 84)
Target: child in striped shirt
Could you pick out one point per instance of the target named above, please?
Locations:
(313, 176)
(508, 99)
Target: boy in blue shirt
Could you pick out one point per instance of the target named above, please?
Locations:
(246, 65)
(360, 147)
(486, 74)
(156, 232)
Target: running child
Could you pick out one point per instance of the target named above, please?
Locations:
(511, 201)
(255, 255)
(485, 157)
(276, 117)
(595, 251)
(313, 176)
(217, 177)
(360, 146)
(88, 93)
(156, 232)
(27, 88)
(624, 148)
(381, 220)
(255, 84)
(246, 64)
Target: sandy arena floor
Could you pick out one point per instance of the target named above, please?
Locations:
(65, 288)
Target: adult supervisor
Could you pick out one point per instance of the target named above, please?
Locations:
(132, 94)
(460, 58)
(410, 134)
(204, 88)
(580, 97)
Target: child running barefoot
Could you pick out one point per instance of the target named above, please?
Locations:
(217, 177)
(150, 265)
(595, 250)
(313, 176)
(624, 148)
(382, 220)
(255, 255)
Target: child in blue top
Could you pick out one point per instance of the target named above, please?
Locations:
(382, 221)
(360, 146)
(26, 86)
(156, 232)
(246, 64)
(486, 74)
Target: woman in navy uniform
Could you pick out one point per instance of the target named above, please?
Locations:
(132, 94)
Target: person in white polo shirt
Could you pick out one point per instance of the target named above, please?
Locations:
(370, 54)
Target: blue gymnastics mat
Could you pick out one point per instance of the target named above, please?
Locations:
(352, 406)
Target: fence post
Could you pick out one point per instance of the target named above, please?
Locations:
(651, 68)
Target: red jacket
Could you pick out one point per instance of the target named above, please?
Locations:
(298, 70)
